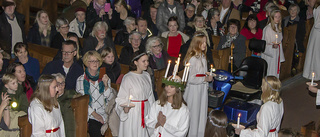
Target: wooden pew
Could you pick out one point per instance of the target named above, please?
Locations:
(248, 52)
(25, 126)
(221, 58)
(124, 69)
(158, 75)
(215, 40)
(118, 49)
(309, 25)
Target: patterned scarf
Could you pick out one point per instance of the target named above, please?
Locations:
(86, 83)
(229, 40)
(97, 7)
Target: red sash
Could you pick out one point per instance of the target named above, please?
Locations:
(272, 130)
(278, 60)
(201, 75)
(52, 130)
(159, 134)
(142, 111)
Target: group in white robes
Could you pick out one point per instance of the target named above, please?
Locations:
(196, 96)
(43, 121)
(177, 120)
(139, 87)
(268, 121)
(273, 56)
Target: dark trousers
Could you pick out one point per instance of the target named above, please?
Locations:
(94, 127)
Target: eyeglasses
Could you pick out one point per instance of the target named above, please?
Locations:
(157, 46)
(94, 61)
(61, 83)
(64, 27)
(200, 21)
(136, 40)
(67, 52)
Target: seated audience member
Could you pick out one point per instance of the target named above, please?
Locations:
(216, 124)
(264, 22)
(127, 51)
(251, 28)
(62, 26)
(198, 6)
(24, 82)
(74, 37)
(112, 66)
(68, 12)
(166, 10)
(98, 39)
(122, 35)
(12, 27)
(5, 111)
(142, 28)
(189, 13)
(64, 99)
(207, 6)
(262, 15)
(233, 36)
(67, 66)
(4, 63)
(31, 65)
(173, 39)
(227, 12)
(152, 20)
(42, 31)
(10, 87)
(158, 58)
(120, 14)
(99, 89)
(214, 24)
(78, 25)
(293, 19)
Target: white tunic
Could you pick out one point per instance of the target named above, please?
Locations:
(139, 86)
(272, 55)
(196, 96)
(177, 120)
(43, 120)
(268, 118)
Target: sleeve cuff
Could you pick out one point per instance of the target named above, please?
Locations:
(318, 97)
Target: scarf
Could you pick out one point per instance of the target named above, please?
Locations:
(86, 83)
(203, 29)
(229, 40)
(81, 27)
(97, 7)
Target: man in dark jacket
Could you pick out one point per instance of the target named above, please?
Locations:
(67, 66)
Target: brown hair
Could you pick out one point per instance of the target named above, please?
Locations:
(194, 48)
(177, 98)
(17, 47)
(216, 124)
(273, 25)
(271, 89)
(43, 92)
(106, 51)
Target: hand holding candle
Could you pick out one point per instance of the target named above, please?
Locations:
(238, 120)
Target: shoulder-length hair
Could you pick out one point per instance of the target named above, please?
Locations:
(216, 124)
(43, 92)
(251, 17)
(177, 98)
(273, 24)
(194, 48)
(271, 89)
(99, 25)
(89, 54)
(37, 20)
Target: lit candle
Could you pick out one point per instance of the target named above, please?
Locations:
(176, 67)
(129, 101)
(211, 69)
(187, 73)
(168, 67)
(312, 78)
(184, 73)
(276, 38)
(238, 121)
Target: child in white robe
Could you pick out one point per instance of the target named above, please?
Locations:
(44, 111)
(270, 114)
(216, 124)
(196, 93)
(169, 116)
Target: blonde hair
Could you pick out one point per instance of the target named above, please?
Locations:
(97, 26)
(89, 54)
(37, 20)
(177, 98)
(194, 48)
(193, 23)
(271, 89)
(8, 77)
(273, 24)
(106, 51)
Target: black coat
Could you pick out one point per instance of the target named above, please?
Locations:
(116, 22)
(122, 37)
(301, 30)
(34, 34)
(57, 41)
(90, 43)
(113, 70)
(126, 54)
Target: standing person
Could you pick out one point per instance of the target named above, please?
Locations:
(136, 86)
(169, 116)
(312, 57)
(273, 53)
(196, 93)
(44, 111)
(271, 112)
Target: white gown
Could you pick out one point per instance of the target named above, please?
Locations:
(196, 96)
(177, 120)
(272, 55)
(312, 61)
(269, 117)
(43, 120)
(139, 86)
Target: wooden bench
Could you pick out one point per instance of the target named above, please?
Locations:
(118, 50)
(42, 53)
(302, 56)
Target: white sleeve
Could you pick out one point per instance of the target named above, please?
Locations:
(318, 97)
(122, 97)
(183, 125)
(152, 117)
(267, 32)
(194, 70)
(36, 118)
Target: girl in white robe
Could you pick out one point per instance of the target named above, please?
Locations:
(270, 115)
(169, 116)
(196, 93)
(137, 85)
(44, 111)
(273, 53)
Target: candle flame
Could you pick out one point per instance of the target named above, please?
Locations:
(211, 66)
(130, 97)
(169, 61)
(312, 74)
(276, 35)
(213, 69)
(179, 55)
(188, 64)
(239, 115)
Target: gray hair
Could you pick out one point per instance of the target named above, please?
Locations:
(128, 21)
(150, 42)
(190, 5)
(61, 21)
(268, 5)
(272, 8)
(294, 5)
(59, 75)
(99, 25)
(134, 33)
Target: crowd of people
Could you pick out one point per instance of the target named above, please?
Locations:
(152, 32)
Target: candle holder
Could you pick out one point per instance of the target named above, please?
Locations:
(314, 84)
(131, 105)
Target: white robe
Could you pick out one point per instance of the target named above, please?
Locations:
(196, 96)
(271, 55)
(312, 61)
(43, 120)
(269, 117)
(139, 86)
(177, 120)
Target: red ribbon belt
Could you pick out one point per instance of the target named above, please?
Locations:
(52, 130)
(159, 134)
(201, 75)
(272, 130)
(142, 111)
(278, 60)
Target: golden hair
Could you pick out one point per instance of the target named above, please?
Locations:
(42, 92)
(273, 24)
(89, 54)
(271, 89)
(216, 124)
(37, 20)
(177, 98)
(8, 77)
(194, 48)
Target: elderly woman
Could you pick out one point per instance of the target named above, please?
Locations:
(78, 25)
(31, 65)
(98, 39)
(159, 57)
(214, 24)
(62, 26)
(122, 37)
(127, 51)
(173, 39)
(42, 31)
(233, 36)
(121, 12)
(189, 13)
(98, 88)
(251, 28)
(198, 24)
